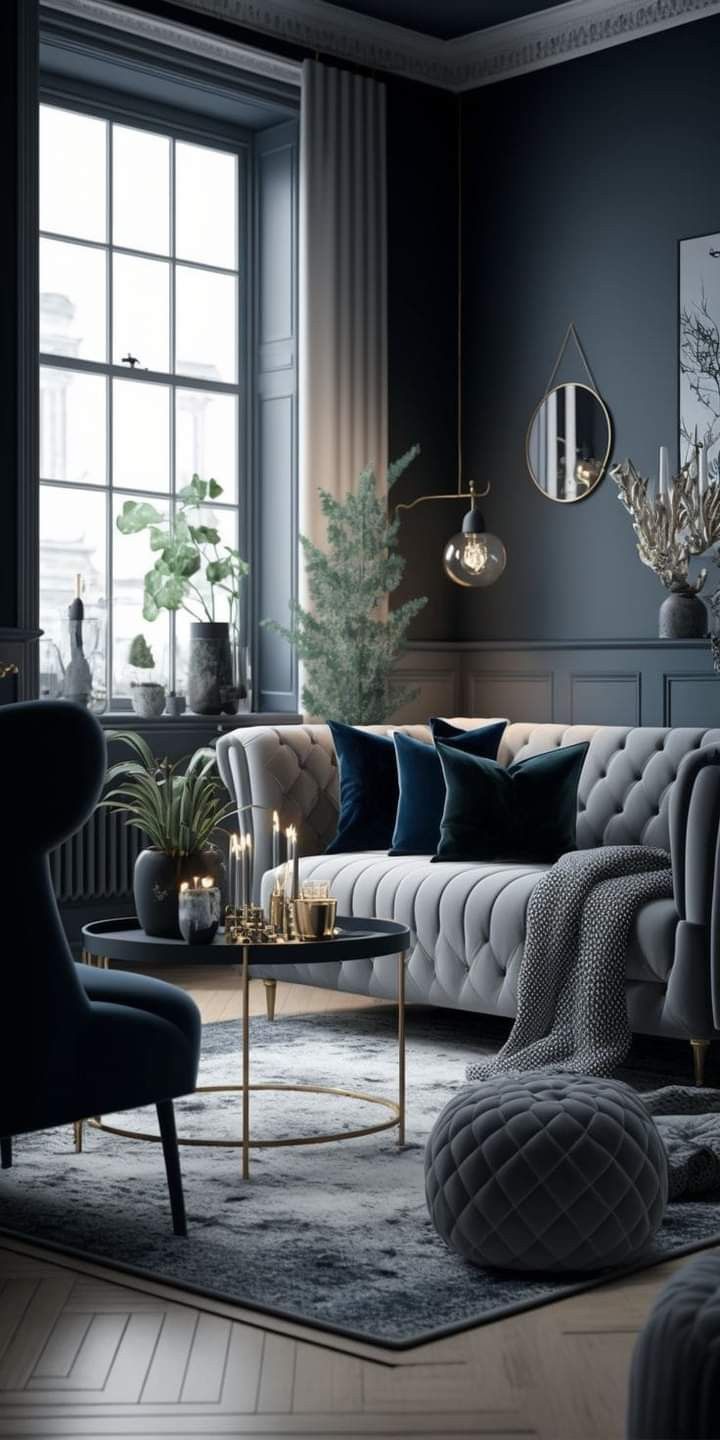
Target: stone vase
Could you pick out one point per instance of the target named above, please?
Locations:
(158, 878)
(148, 699)
(683, 616)
(210, 671)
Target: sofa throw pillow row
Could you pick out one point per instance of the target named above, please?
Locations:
(526, 811)
(392, 790)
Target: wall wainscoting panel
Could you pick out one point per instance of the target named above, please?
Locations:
(605, 699)
(638, 682)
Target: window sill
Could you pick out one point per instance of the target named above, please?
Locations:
(128, 720)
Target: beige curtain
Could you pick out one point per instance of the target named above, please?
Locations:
(343, 286)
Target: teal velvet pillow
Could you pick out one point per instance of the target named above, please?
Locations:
(526, 812)
(368, 789)
(422, 783)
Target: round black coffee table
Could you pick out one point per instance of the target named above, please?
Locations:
(124, 941)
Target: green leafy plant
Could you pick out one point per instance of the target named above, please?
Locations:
(348, 646)
(141, 657)
(185, 548)
(179, 809)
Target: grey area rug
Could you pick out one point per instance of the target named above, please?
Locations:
(332, 1236)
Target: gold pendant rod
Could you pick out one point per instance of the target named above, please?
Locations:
(473, 494)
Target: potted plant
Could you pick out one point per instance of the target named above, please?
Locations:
(180, 810)
(192, 570)
(147, 696)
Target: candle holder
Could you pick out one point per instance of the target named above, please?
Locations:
(314, 919)
(199, 910)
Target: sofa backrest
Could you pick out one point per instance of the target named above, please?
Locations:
(623, 796)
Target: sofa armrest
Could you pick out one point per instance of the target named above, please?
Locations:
(288, 768)
(695, 853)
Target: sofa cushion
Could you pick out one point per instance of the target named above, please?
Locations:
(525, 811)
(422, 783)
(368, 789)
(468, 929)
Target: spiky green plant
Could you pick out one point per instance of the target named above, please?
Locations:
(347, 644)
(178, 809)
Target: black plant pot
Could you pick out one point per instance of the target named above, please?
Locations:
(158, 878)
(210, 675)
(683, 616)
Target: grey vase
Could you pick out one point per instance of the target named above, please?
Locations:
(683, 616)
(210, 671)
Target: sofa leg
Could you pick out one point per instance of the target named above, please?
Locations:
(270, 997)
(699, 1053)
(6, 1152)
(168, 1135)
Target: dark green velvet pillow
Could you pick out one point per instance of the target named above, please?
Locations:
(525, 812)
(422, 783)
(368, 789)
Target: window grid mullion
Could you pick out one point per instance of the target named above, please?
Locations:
(172, 478)
(109, 560)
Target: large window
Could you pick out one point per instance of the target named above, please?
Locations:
(143, 365)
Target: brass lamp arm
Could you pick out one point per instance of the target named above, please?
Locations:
(454, 495)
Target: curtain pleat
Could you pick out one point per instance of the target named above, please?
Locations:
(343, 286)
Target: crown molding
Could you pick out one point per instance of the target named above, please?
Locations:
(181, 37)
(549, 37)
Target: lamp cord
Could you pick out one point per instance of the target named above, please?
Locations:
(459, 294)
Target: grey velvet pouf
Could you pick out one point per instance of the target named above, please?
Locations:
(675, 1377)
(549, 1173)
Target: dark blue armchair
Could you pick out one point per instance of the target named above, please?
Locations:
(74, 1041)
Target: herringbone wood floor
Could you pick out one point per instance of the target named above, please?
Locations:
(87, 1353)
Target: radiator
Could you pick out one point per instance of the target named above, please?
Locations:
(98, 862)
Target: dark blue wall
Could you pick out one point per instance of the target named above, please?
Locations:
(579, 181)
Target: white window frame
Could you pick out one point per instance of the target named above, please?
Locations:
(194, 130)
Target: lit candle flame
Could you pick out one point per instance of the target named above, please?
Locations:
(196, 882)
(276, 820)
(207, 882)
(184, 887)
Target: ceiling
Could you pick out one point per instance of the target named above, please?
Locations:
(446, 19)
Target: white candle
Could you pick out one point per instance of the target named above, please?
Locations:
(276, 840)
(664, 470)
(248, 869)
(702, 470)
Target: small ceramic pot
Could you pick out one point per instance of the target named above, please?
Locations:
(148, 700)
(683, 616)
(175, 706)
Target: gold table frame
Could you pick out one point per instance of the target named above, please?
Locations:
(247, 1142)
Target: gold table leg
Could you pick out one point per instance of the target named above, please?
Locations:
(245, 1067)
(401, 1048)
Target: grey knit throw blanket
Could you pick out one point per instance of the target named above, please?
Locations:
(572, 1006)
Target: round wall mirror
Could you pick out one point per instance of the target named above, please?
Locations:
(569, 442)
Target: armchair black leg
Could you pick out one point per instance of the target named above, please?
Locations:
(5, 1152)
(168, 1133)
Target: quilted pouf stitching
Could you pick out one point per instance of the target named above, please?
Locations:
(550, 1173)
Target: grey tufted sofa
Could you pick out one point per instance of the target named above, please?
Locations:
(638, 786)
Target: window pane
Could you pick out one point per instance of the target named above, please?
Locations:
(73, 542)
(206, 205)
(141, 190)
(132, 558)
(141, 313)
(206, 439)
(72, 300)
(205, 324)
(73, 422)
(73, 184)
(141, 435)
(226, 521)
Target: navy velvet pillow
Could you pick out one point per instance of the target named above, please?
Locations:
(368, 789)
(526, 812)
(422, 783)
